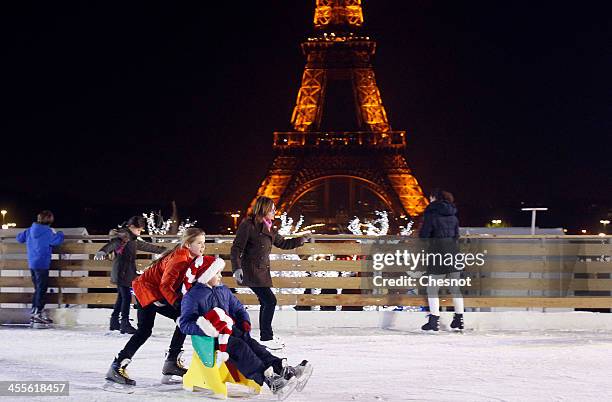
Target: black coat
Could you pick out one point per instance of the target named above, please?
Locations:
(441, 226)
(125, 244)
(251, 251)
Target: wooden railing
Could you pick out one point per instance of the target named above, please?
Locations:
(528, 268)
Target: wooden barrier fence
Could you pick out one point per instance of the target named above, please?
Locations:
(534, 271)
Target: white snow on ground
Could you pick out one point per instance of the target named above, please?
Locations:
(350, 364)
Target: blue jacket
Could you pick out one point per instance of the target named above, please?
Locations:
(39, 239)
(200, 299)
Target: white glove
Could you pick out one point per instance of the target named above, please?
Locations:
(100, 255)
(238, 276)
(307, 237)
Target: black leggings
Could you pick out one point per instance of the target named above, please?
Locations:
(146, 319)
(267, 302)
(122, 304)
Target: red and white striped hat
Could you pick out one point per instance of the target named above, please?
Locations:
(202, 269)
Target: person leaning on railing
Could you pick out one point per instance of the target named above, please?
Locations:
(250, 255)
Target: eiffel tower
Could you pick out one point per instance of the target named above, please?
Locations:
(332, 175)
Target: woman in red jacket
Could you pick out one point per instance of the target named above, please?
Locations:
(157, 290)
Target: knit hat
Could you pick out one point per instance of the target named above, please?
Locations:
(216, 323)
(202, 269)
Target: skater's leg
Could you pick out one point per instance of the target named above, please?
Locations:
(146, 319)
(118, 303)
(33, 276)
(43, 280)
(263, 353)
(247, 362)
(432, 296)
(126, 300)
(267, 302)
(456, 293)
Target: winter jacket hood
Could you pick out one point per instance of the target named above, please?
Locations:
(442, 208)
(39, 240)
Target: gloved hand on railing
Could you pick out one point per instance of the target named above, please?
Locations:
(238, 276)
(100, 255)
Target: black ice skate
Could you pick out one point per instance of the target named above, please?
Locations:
(118, 378)
(280, 386)
(301, 372)
(433, 324)
(457, 323)
(115, 325)
(126, 327)
(174, 369)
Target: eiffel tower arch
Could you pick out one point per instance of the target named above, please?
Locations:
(323, 168)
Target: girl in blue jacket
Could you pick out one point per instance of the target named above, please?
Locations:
(39, 239)
(205, 292)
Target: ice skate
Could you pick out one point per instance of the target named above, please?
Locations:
(280, 386)
(45, 315)
(173, 370)
(273, 344)
(301, 372)
(38, 321)
(457, 323)
(433, 324)
(118, 379)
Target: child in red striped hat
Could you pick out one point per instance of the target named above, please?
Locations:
(209, 308)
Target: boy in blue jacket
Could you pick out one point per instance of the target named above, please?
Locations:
(204, 292)
(39, 239)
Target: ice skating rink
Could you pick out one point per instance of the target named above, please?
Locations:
(350, 364)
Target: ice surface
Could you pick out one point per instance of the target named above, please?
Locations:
(350, 364)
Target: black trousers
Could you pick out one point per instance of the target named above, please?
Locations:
(267, 302)
(122, 304)
(251, 358)
(40, 279)
(146, 319)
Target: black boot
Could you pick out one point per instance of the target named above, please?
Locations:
(457, 322)
(117, 372)
(126, 327)
(173, 366)
(433, 324)
(115, 325)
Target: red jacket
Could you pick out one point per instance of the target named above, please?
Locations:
(163, 279)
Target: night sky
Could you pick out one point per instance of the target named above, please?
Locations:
(114, 107)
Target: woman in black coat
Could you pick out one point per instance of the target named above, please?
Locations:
(441, 227)
(250, 255)
(124, 242)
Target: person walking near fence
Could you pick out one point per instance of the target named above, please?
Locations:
(250, 255)
(39, 239)
(157, 291)
(125, 243)
(441, 226)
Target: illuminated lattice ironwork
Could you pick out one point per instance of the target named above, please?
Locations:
(372, 110)
(338, 13)
(308, 106)
(372, 155)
